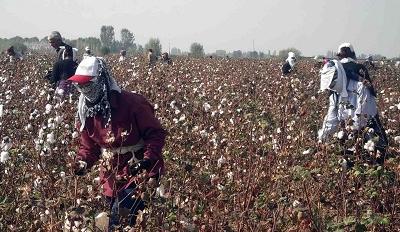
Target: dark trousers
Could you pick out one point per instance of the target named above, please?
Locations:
(124, 202)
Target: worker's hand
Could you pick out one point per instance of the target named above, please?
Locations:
(79, 167)
(139, 166)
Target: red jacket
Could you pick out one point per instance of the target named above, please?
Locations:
(132, 119)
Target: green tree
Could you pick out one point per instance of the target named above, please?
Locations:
(140, 49)
(127, 39)
(155, 45)
(196, 50)
(107, 36)
(175, 51)
(105, 50)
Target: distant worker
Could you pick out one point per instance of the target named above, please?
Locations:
(87, 52)
(369, 63)
(151, 58)
(57, 43)
(13, 55)
(165, 58)
(62, 70)
(289, 63)
(351, 101)
(122, 56)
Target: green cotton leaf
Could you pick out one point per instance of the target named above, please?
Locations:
(357, 173)
(384, 221)
(349, 220)
(3, 200)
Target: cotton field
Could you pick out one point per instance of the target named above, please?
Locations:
(241, 152)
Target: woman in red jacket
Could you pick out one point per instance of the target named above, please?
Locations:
(119, 129)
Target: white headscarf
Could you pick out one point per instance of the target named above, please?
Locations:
(291, 59)
(84, 111)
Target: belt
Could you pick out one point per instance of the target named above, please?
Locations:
(123, 150)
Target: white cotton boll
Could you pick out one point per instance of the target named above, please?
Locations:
(161, 191)
(175, 120)
(278, 130)
(77, 223)
(371, 130)
(28, 127)
(89, 189)
(1, 111)
(75, 135)
(172, 104)
(71, 154)
(203, 133)
(296, 203)
(343, 163)
(51, 126)
(60, 92)
(370, 145)
(58, 119)
(62, 175)
(156, 106)
(50, 138)
(306, 152)
(177, 111)
(82, 164)
(221, 161)
(182, 118)
(340, 134)
(230, 176)
(220, 187)
(48, 108)
(397, 139)
(4, 156)
(96, 180)
(206, 107)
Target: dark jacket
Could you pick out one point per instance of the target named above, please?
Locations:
(132, 119)
(62, 70)
(286, 68)
(355, 70)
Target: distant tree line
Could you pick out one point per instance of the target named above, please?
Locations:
(107, 44)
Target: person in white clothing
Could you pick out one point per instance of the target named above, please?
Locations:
(122, 56)
(351, 100)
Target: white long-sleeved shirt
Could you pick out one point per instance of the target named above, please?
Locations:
(360, 105)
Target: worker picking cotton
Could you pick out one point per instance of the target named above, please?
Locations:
(289, 63)
(351, 98)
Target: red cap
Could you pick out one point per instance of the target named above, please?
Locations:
(86, 70)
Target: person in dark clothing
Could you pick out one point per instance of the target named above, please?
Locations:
(289, 63)
(56, 42)
(286, 68)
(354, 70)
(369, 64)
(62, 70)
(120, 128)
(165, 59)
